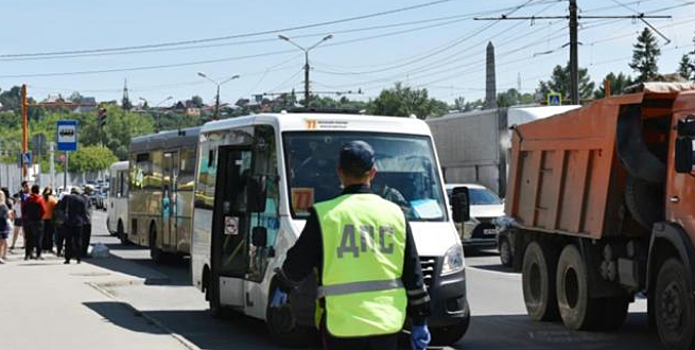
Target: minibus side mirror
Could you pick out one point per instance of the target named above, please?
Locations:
(259, 236)
(460, 204)
(684, 159)
(255, 194)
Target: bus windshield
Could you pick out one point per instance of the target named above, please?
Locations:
(406, 171)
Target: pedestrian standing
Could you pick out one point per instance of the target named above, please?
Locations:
(368, 267)
(4, 226)
(87, 228)
(20, 197)
(48, 224)
(59, 218)
(74, 206)
(33, 211)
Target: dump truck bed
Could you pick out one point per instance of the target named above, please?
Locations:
(565, 174)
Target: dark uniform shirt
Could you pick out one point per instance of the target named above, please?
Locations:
(307, 254)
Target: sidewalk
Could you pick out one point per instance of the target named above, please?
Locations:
(45, 304)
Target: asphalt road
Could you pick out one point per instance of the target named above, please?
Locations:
(499, 319)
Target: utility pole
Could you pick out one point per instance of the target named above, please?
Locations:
(307, 94)
(307, 67)
(574, 55)
(217, 103)
(217, 96)
(574, 18)
(51, 155)
(25, 129)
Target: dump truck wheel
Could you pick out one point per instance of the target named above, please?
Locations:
(538, 281)
(578, 311)
(644, 201)
(674, 309)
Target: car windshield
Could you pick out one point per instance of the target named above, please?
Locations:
(406, 172)
(479, 196)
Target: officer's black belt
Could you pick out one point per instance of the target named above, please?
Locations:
(359, 287)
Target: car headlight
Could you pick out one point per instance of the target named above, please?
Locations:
(453, 260)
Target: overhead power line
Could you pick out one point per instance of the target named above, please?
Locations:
(229, 37)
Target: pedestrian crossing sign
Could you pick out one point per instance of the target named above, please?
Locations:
(554, 99)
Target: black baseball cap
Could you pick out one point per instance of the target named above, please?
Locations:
(356, 157)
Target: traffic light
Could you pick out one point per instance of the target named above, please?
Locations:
(102, 117)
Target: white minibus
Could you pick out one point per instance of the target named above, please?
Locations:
(258, 176)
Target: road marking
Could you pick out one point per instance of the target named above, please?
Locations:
(500, 273)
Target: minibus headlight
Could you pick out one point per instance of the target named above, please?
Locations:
(453, 260)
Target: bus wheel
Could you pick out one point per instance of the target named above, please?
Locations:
(121, 233)
(538, 282)
(283, 327)
(155, 253)
(673, 306)
(577, 309)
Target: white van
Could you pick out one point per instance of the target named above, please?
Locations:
(117, 202)
(258, 176)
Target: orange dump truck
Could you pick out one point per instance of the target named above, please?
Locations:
(603, 206)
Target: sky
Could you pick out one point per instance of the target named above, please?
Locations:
(438, 47)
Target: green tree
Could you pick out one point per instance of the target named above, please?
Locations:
(91, 158)
(403, 101)
(75, 97)
(645, 54)
(686, 68)
(560, 82)
(513, 97)
(618, 83)
(197, 101)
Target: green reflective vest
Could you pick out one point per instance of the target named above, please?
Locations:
(363, 251)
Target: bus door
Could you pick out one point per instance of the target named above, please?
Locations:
(230, 226)
(169, 191)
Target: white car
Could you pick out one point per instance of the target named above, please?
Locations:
(486, 207)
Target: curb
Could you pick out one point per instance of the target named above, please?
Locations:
(100, 288)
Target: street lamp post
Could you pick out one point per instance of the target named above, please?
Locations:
(306, 62)
(217, 96)
(156, 113)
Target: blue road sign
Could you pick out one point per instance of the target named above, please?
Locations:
(66, 135)
(26, 159)
(554, 99)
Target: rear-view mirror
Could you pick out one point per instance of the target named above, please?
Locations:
(460, 204)
(686, 127)
(684, 158)
(256, 193)
(259, 236)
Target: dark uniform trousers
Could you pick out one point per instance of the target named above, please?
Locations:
(33, 231)
(73, 242)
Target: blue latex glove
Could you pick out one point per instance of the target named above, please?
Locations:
(420, 337)
(279, 298)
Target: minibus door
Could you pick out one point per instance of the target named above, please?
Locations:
(231, 225)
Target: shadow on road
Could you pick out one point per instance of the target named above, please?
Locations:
(516, 332)
(122, 315)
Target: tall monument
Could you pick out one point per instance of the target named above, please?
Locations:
(490, 80)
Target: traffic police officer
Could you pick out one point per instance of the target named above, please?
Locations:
(368, 267)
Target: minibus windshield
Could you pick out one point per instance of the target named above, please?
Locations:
(406, 171)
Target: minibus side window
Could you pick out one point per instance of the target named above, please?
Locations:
(265, 166)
